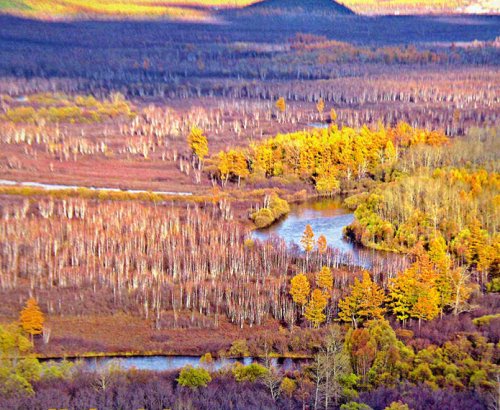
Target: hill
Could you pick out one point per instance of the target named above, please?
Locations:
(302, 5)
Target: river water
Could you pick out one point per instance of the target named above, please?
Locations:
(326, 216)
(167, 363)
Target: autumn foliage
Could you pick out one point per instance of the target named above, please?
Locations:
(32, 318)
(331, 159)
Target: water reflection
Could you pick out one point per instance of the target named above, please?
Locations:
(326, 217)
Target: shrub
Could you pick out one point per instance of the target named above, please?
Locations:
(249, 373)
(263, 217)
(239, 348)
(485, 320)
(288, 386)
(206, 358)
(194, 377)
(397, 405)
(276, 208)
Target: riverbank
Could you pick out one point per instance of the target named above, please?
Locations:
(141, 354)
(125, 335)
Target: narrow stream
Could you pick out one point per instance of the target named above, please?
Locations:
(166, 363)
(58, 187)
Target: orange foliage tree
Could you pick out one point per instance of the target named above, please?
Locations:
(31, 318)
(300, 289)
(364, 302)
(281, 105)
(314, 312)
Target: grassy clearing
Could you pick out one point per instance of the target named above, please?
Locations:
(106, 8)
(13, 5)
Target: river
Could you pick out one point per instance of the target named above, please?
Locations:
(167, 363)
(328, 217)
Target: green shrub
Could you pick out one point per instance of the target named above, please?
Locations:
(194, 377)
(353, 405)
(493, 285)
(485, 320)
(276, 209)
(249, 373)
(397, 405)
(239, 348)
(21, 114)
(57, 370)
(18, 368)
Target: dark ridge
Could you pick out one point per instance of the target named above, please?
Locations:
(306, 6)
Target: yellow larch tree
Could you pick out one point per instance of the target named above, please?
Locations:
(198, 144)
(32, 318)
(320, 106)
(363, 303)
(333, 115)
(426, 306)
(223, 166)
(232, 163)
(324, 279)
(300, 289)
(442, 262)
(314, 312)
(390, 153)
(307, 241)
(414, 293)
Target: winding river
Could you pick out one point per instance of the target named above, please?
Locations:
(326, 216)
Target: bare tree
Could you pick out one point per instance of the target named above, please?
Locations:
(330, 364)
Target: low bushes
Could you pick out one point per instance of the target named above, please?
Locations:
(274, 208)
